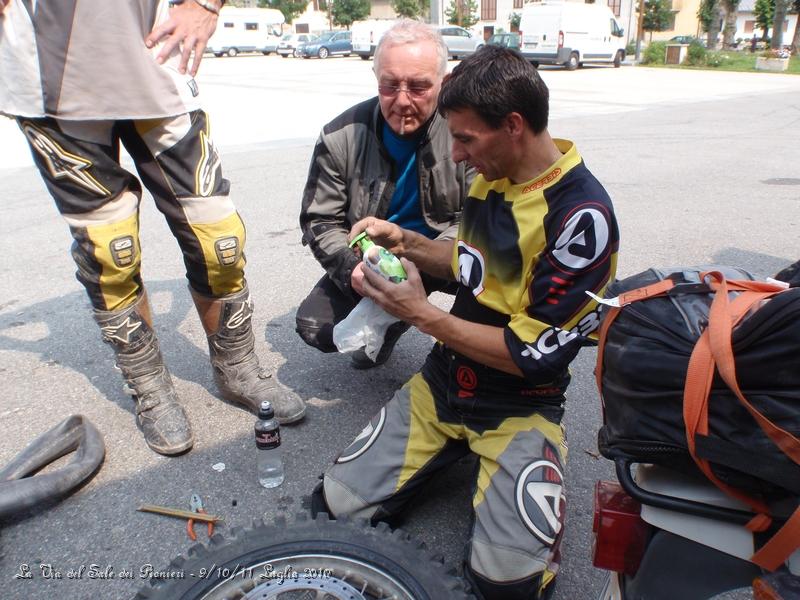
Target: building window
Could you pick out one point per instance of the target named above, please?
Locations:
(228, 25)
(749, 26)
(251, 26)
(517, 3)
(488, 10)
(615, 6)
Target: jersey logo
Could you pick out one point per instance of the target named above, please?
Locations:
(365, 439)
(62, 164)
(582, 240)
(549, 341)
(471, 267)
(539, 496)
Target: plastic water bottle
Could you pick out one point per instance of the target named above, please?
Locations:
(379, 259)
(269, 454)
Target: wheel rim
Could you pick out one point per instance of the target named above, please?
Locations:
(323, 53)
(293, 576)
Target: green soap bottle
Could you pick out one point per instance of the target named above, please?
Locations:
(379, 259)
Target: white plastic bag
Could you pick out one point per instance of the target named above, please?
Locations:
(365, 327)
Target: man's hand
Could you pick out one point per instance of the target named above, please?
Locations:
(406, 300)
(383, 233)
(189, 26)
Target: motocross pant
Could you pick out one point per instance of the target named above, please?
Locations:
(455, 406)
(99, 199)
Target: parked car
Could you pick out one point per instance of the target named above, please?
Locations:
(686, 39)
(506, 40)
(460, 42)
(329, 43)
(291, 42)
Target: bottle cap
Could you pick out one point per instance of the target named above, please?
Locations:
(362, 241)
(265, 411)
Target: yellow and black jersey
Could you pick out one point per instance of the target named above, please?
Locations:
(527, 253)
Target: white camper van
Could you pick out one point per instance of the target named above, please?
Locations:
(246, 30)
(367, 34)
(555, 32)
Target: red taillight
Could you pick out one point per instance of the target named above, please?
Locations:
(620, 533)
(560, 39)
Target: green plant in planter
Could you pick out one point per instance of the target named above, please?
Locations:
(654, 53)
(696, 55)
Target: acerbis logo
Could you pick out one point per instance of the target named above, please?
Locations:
(365, 439)
(553, 338)
(471, 267)
(549, 341)
(583, 239)
(542, 182)
(539, 496)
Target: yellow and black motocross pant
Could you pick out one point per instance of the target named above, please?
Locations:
(179, 165)
(454, 407)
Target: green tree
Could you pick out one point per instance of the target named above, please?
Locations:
(291, 9)
(344, 12)
(463, 13)
(657, 16)
(764, 11)
(516, 18)
(410, 9)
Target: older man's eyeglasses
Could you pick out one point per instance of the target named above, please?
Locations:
(415, 90)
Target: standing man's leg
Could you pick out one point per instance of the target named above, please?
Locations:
(520, 508)
(180, 166)
(79, 162)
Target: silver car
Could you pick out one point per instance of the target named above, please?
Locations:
(460, 42)
(291, 42)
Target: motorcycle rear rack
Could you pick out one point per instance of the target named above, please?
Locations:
(689, 507)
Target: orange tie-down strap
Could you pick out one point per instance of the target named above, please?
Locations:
(714, 351)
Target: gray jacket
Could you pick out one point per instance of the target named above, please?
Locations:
(352, 176)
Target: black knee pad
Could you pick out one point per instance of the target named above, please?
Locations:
(522, 589)
(316, 336)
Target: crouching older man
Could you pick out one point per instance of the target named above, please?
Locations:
(387, 157)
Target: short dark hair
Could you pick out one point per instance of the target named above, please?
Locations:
(495, 82)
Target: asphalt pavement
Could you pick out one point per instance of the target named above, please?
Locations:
(696, 178)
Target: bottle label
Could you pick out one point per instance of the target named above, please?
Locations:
(266, 440)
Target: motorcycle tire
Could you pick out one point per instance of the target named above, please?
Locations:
(316, 558)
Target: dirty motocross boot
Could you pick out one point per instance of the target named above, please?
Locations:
(162, 420)
(237, 373)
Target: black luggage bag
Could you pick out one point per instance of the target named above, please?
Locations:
(642, 368)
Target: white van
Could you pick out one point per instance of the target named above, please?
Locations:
(570, 33)
(246, 30)
(367, 34)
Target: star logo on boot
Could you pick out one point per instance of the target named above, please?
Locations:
(121, 332)
(240, 316)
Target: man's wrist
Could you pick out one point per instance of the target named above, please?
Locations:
(211, 5)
